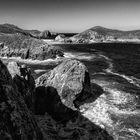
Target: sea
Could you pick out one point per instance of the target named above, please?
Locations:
(115, 68)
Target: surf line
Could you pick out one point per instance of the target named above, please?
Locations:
(130, 79)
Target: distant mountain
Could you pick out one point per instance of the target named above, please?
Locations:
(33, 32)
(98, 34)
(12, 29)
(46, 34)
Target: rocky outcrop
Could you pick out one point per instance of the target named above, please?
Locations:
(1, 46)
(60, 38)
(45, 34)
(59, 94)
(24, 81)
(19, 45)
(71, 80)
(16, 121)
(12, 29)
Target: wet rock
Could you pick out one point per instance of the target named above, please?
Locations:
(16, 121)
(71, 81)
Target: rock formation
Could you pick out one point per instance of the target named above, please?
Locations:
(24, 81)
(59, 94)
(16, 121)
(19, 45)
(60, 38)
(71, 80)
(45, 34)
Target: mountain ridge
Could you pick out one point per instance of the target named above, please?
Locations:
(102, 34)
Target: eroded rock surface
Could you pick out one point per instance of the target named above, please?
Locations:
(24, 81)
(59, 95)
(16, 121)
(71, 80)
(26, 47)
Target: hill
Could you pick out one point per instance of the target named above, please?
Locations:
(99, 34)
(12, 29)
(27, 47)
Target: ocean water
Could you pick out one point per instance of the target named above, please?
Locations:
(115, 68)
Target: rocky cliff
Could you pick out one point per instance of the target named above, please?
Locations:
(16, 121)
(27, 47)
(24, 82)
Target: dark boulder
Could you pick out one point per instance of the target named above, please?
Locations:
(16, 121)
(1, 46)
(48, 100)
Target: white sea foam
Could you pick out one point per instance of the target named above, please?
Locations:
(110, 70)
(80, 56)
(130, 79)
(39, 71)
(110, 63)
(30, 61)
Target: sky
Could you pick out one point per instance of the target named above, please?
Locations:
(71, 15)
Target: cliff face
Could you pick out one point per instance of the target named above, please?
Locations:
(24, 81)
(27, 47)
(16, 121)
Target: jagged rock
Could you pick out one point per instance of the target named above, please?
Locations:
(26, 47)
(48, 100)
(23, 80)
(58, 96)
(45, 34)
(60, 38)
(71, 80)
(14, 69)
(1, 46)
(79, 128)
(16, 121)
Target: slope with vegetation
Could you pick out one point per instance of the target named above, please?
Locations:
(99, 34)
